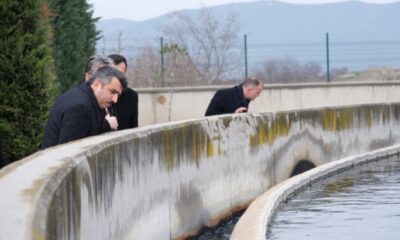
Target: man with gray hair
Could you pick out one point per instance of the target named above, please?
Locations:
(76, 113)
(92, 64)
(235, 99)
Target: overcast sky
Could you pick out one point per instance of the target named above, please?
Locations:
(145, 9)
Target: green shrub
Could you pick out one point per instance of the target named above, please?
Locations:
(74, 40)
(26, 81)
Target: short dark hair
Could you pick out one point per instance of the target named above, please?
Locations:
(117, 59)
(252, 81)
(105, 74)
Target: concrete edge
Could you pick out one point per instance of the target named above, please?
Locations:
(269, 86)
(43, 167)
(253, 225)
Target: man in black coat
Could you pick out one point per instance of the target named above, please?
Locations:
(235, 99)
(93, 63)
(126, 109)
(77, 113)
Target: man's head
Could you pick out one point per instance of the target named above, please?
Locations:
(93, 63)
(119, 61)
(252, 88)
(107, 84)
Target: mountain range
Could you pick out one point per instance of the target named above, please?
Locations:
(361, 34)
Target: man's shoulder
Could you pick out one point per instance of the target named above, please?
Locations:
(129, 92)
(227, 91)
(75, 96)
(79, 90)
(127, 97)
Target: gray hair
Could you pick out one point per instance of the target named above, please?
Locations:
(94, 62)
(252, 82)
(105, 74)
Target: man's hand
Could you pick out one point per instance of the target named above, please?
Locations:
(241, 110)
(112, 121)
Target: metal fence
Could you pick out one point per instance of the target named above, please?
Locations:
(330, 51)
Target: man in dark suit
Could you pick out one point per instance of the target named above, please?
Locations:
(126, 109)
(93, 63)
(77, 113)
(235, 99)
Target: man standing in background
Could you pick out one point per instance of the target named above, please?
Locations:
(126, 109)
(236, 99)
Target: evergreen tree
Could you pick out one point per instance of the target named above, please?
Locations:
(25, 76)
(74, 40)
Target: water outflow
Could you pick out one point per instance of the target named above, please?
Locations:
(222, 231)
(361, 203)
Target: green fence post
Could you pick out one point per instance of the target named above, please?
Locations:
(245, 57)
(162, 60)
(327, 58)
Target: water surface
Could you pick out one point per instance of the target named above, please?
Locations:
(362, 203)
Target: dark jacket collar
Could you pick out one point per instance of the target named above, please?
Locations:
(239, 90)
(85, 86)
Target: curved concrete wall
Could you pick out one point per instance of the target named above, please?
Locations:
(254, 223)
(166, 181)
(170, 104)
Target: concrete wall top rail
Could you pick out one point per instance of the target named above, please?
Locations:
(270, 86)
(253, 225)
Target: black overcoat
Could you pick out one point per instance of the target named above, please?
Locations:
(227, 101)
(74, 115)
(126, 109)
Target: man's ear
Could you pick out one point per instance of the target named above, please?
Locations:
(96, 84)
(87, 76)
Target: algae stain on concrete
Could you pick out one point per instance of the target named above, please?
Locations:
(189, 143)
(166, 137)
(36, 235)
(348, 118)
(271, 127)
(210, 148)
(198, 143)
(267, 131)
(368, 118)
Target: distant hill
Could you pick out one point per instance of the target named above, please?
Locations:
(361, 34)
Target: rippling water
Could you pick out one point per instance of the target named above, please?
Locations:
(356, 204)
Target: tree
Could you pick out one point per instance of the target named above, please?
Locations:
(144, 70)
(289, 70)
(75, 39)
(210, 41)
(178, 68)
(25, 76)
